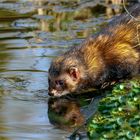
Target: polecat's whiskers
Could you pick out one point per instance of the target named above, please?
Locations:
(138, 34)
(136, 46)
(128, 11)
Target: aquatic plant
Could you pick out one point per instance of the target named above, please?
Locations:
(118, 115)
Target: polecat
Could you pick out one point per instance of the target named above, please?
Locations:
(111, 54)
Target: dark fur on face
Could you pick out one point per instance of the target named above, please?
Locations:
(109, 55)
(64, 75)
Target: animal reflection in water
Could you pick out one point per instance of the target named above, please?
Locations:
(65, 113)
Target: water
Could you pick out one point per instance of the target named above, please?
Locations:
(32, 33)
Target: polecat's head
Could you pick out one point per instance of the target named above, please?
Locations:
(64, 76)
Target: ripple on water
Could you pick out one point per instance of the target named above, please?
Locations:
(31, 34)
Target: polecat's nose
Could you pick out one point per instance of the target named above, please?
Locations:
(50, 94)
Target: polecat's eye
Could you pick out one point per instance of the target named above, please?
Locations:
(59, 82)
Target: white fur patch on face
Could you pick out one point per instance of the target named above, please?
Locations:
(58, 94)
(54, 91)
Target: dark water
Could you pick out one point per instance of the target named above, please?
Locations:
(32, 32)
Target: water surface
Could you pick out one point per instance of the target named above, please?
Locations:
(32, 33)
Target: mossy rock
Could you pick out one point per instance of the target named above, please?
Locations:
(118, 115)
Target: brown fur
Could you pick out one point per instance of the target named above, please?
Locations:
(112, 54)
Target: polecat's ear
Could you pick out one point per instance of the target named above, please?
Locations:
(74, 73)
